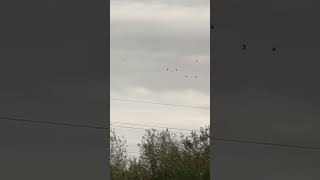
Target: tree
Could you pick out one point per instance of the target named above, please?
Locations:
(118, 157)
(163, 156)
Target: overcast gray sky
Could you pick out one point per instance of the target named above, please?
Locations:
(160, 53)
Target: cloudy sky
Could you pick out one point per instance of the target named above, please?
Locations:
(159, 53)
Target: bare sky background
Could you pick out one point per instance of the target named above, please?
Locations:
(160, 53)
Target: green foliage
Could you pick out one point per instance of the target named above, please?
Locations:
(118, 157)
(163, 156)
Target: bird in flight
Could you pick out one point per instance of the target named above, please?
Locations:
(244, 46)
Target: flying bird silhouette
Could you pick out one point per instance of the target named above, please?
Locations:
(244, 46)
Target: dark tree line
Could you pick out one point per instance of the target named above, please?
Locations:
(162, 156)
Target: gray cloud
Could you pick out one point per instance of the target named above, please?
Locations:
(152, 37)
(147, 38)
(168, 2)
(183, 30)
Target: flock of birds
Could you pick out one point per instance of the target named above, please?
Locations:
(187, 75)
(175, 70)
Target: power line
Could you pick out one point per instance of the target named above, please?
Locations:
(127, 127)
(157, 103)
(79, 125)
(133, 152)
(144, 129)
(51, 123)
(144, 122)
(260, 143)
(128, 153)
(151, 126)
(265, 143)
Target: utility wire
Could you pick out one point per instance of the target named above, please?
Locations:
(265, 143)
(144, 129)
(106, 128)
(144, 122)
(51, 123)
(157, 103)
(70, 124)
(129, 153)
(117, 122)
